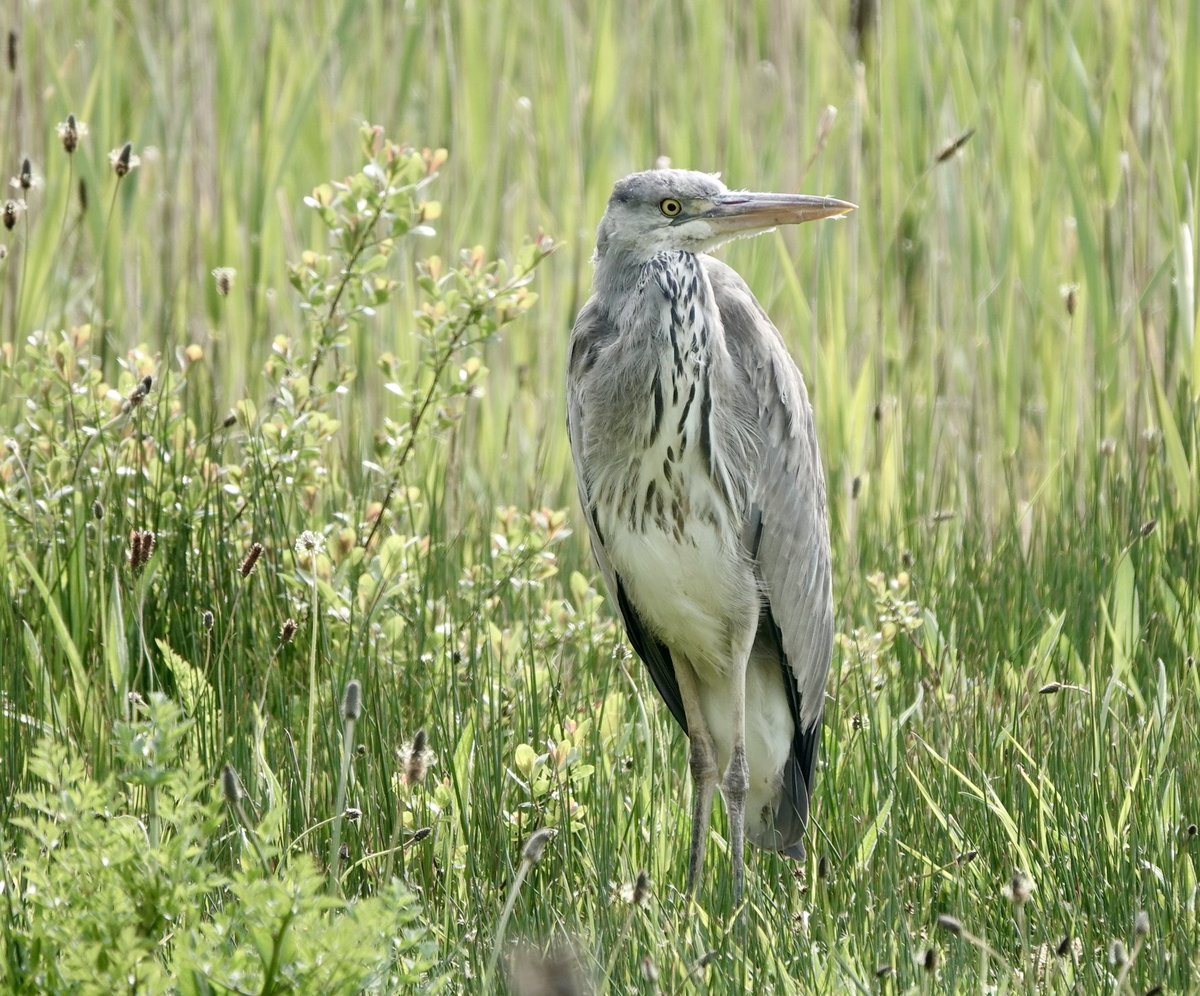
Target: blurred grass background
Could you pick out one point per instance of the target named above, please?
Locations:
(944, 302)
(1001, 348)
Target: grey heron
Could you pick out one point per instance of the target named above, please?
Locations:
(701, 481)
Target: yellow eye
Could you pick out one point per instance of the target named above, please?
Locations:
(670, 207)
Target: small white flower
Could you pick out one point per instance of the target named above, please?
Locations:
(124, 160)
(27, 179)
(71, 133)
(310, 544)
(1019, 889)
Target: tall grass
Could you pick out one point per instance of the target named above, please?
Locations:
(1001, 347)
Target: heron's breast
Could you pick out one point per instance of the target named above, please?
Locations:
(677, 549)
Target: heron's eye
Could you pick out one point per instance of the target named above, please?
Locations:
(670, 207)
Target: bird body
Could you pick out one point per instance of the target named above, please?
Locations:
(699, 475)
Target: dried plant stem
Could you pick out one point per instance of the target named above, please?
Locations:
(312, 699)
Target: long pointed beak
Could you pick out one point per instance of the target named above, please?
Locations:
(745, 212)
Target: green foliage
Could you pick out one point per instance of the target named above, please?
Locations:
(112, 886)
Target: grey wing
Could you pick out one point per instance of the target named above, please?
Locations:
(787, 525)
(592, 332)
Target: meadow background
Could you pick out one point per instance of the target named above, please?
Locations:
(1001, 349)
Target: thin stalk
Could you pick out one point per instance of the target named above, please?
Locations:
(535, 847)
(1123, 976)
(312, 698)
(112, 205)
(393, 845)
(350, 712)
(232, 787)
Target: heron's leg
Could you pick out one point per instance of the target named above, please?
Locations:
(736, 783)
(702, 759)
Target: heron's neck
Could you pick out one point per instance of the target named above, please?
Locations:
(690, 328)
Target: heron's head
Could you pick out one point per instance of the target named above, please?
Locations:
(671, 209)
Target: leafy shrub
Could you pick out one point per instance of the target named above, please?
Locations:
(114, 886)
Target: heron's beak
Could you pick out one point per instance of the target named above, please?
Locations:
(734, 213)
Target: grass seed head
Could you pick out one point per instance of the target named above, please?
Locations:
(138, 394)
(25, 177)
(309, 546)
(123, 161)
(415, 757)
(248, 565)
(97, 510)
(638, 893)
(950, 924)
(149, 541)
(71, 132)
(141, 548)
(641, 889)
(206, 618)
(352, 703)
(1071, 298)
(930, 961)
(420, 835)
(535, 846)
(12, 211)
(224, 276)
(231, 785)
(1141, 924)
(1117, 955)
(1019, 889)
(288, 632)
(12, 51)
(951, 148)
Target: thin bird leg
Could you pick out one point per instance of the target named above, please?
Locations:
(737, 776)
(702, 759)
